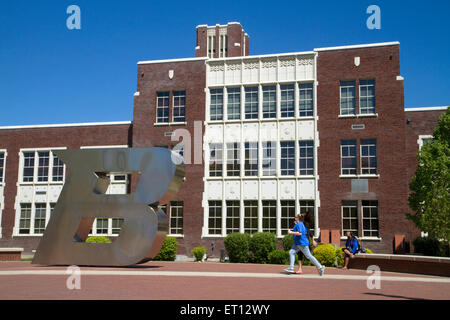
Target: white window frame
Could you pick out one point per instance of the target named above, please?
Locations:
(340, 97)
(349, 157)
(158, 107)
(178, 107)
(368, 156)
(371, 218)
(421, 140)
(353, 231)
(367, 97)
(177, 218)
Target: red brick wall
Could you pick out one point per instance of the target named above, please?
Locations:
(71, 137)
(381, 64)
(189, 76)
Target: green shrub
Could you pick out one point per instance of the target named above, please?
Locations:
(168, 250)
(430, 247)
(261, 244)
(325, 254)
(278, 257)
(198, 253)
(368, 251)
(288, 241)
(340, 257)
(237, 246)
(98, 240)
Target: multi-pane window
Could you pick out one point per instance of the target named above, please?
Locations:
(269, 218)
(370, 218)
(287, 108)
(369, 156)
(162, 107)
(102, 225)
(251, 158)
(287, 215)
(269, 164)
(116, 225)
(250, 216)
(306, 100)
(269, 101)
(367, 96)
(251, 102)
(43, 165)
(215, 217)
(348, 157)
(58, 169)
(215, 159)
(39, 217)
(233, 216)
(349, 217)
(28, 166)
(306, 206)
(306, 157)
(176, 217)
(233, 159)
(234, 103)
(2, 165)
(348, 98)
(25, 218)
(179, 106)
(287, 158)
(216, 104)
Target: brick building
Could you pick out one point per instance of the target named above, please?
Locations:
(263, 137)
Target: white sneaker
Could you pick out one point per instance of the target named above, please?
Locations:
(289, 270)
(321, 270)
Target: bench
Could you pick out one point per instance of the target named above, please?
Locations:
(437, 266)
(11, 254)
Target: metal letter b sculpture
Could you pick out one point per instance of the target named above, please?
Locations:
(83, 199)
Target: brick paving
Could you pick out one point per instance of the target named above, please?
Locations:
(206, 281)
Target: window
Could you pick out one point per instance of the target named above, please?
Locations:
(269, 165)
(287, 215)
(39, 217)
(215, 159)
(269, 101)
(348, 98)
(234, 103)
(306, 157)
(287, 101)
(211, 46)
(176, 217)
(348, 157)
(370, 218)
(58, 169)
(215, 217)
(250, 216)
(349, 217)
(223, 45)
(367, 96)
(251, 103)
(2, 165)
(233, 160)
(287, 158)
(369, 156)
(251, 158)
(306, 206)
(102, 225)
(269, 218)
(28, 166)
(179, 106)
(162, 107)
(216, 104)
(233, 216)
(306, 100)
(43, 166)
(25, 218)
(116, 225)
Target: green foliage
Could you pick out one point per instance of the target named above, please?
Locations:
(340, 257)
(168, 250)
(430, 196)
(325, 254)
(237, 246)
(431, 247)
(288, 241)
(98, 240)
(261, 244)
(198, 253)
(279, 257)
(368, 251)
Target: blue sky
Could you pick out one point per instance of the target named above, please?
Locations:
(50, 74)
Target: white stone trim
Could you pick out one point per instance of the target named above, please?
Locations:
(358, 46)
(62, 125)
(426, 109)
(173, 60)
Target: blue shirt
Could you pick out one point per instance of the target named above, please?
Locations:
(352, 244)
(303, 239)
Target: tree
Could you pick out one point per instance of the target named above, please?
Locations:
(430, 196)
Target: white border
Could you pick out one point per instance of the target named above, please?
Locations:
(87, 124)
(357, 46)
(3, 186)
(425, 109)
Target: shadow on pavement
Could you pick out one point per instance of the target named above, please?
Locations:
(393, 296)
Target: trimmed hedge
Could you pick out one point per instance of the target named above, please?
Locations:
(431, 247)
(98, 240)
(278, 257)
(198, 253)
(168, 250)
(288, 241)
(325, 254)
(261, 244)
(238, 245)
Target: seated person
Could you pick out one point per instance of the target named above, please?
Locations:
(351, 248)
